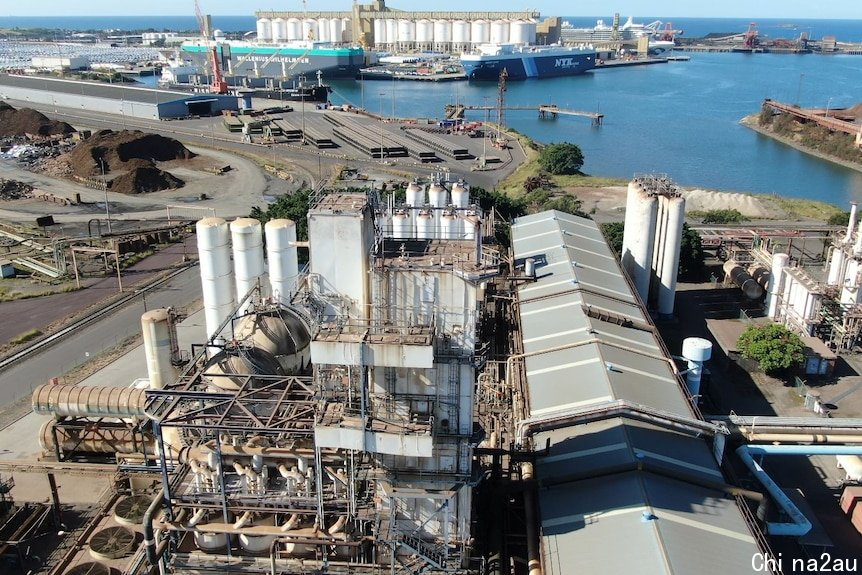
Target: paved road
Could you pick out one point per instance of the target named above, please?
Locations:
(20, 380)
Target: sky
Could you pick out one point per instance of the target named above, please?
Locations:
(843, 9)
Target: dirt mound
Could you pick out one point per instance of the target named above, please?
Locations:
(115, 151)
(27, 121)
(14, 190)
(145, 179)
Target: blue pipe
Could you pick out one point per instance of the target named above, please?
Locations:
(835, 449)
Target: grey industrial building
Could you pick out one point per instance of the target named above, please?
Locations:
(119, 99)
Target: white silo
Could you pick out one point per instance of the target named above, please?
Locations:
(450, 226)
(294, 29)
(460, 195)
(480, 32)
(639, 237)
(675, 214)
(406, 32)
(279, 30)
(323, 30)
(309, 29)
(391, 31)
(402, 226)
(282, 258)
(346, 30)
(159, 342)
(425, 34)
(247, 256)
(415, 195)
(216, 271)
(499, 31)
(470, 226)
(336, 27)
(442, 35)
(531, 32)
(836, 265)
(437, 195)
(776, 283)
(425, 225)
(696, 351)
(460, 34)
(264, 29)
(379, 31)
(519, 32)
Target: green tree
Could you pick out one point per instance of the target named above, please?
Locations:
(691, 256)
(839, 219)
(773, 346)
(292, 207)
(613, 232)
(723, 217)
(563, 159)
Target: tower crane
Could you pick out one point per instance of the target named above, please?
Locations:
(218, 86)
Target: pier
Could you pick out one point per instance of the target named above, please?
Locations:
(546, 111)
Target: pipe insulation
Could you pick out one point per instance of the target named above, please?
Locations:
(94, 439)
(83, 401)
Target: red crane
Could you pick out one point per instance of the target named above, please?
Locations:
(667, 35)
(218, 86)
(751, 36)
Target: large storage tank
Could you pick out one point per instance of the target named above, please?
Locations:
(279, 30)
(425, 33)
(379, 31)
(480, 32)
(216, 271)
(499, 31)
(531, 31)
(346, 30)
(437, 195)
(406, 31)
(460, 32)
(323, 29)
(442, 33)
(309, 29)
(247, 238)
(519, 32)
(425, 225)
(282, 258)
(264, 30)
(294, 29)
(335, 28)
(415, 195)
(450, 226)
(402, 227)
(460, 195)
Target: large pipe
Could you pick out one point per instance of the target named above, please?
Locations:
(670, 259)
(776, 282)
(149, 532)
(156, 326)
(742, 279)
(85, 401)
(851, 225)
(282, 257)
(247, 256)
(534, 560)
(94, 439)
(216, 272)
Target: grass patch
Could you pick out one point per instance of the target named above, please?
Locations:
(806, 208)
(25, 337)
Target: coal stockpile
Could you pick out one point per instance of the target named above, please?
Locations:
(28, 122)
(15, 190)
(111, 150)
(145, 179)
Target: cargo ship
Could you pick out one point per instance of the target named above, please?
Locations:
(523, 62)
(240, 58)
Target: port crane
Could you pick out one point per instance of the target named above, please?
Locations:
(218, 86)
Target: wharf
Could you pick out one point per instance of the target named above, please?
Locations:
(635, 62)
(444, 77)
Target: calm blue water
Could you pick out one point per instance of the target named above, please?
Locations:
(679, 118)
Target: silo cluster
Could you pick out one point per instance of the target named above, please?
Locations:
(449, 35)
(655, 213)
(434, 213)
(280, 30)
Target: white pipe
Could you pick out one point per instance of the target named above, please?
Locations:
(851, 225)
(197, 517)
(292, 522)
(243, 520)
(338, 526)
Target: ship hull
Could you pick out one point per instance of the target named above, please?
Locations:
(523, 67)
(276, 62)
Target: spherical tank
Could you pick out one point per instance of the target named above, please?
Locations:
(335, 28)
(437, 195)
(379, 31)
(480, 31)
(247, 239)
(281, 333)
(230, 368)
(279, 31)
(294, 29)
(415, 195)
(425, 225)
(406, 31)
(460, 195)
(460, 32)
(322, 30)
(282, 258)
(309, 29)
(391, 31)
(499, 32)
(442, 31)
(425, 32)
(519, 32)
(264, 30)
(216, 271)
(401, 225)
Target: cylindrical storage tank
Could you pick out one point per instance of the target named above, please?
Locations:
(776, 277)
(460, 32)
(437, 195)
(406, 31)
(460, 195)
(499, 31)
(415, 195)
(294, 29)
(279, 30)
(391, 31)
(674, 220)
(335, 29)
(402, 227)
(309, 29)
(425, 33)
(258, 544)
(480, 32)
(442, 33)
(742, 279)
(425, 225)
(519, 32)
(216, 271)
(264, 30)
(87, 401)
(156, 326)
(322, 29)
(379, 31)
(531, 32)
(851, 223)
(836, 265)
(639, 237)
(470, 225)
(247, 256)
(282, 257)
(696, 351)
(93, 439)
(450, 226)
